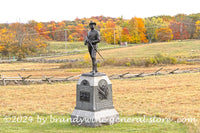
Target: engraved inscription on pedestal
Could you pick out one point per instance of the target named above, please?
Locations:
(84, 96)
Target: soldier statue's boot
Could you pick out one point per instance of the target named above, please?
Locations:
(95, 66)
(92, 72)
(95, 69)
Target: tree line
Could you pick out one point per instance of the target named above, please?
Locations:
(29, 38)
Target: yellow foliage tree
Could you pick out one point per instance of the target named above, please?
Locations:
(197, 30)
(133, 31)
(7, 38)
(70, 38)
(117, 33)
(19, 40)
(108, 33)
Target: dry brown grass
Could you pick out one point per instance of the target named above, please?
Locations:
(20, 65)
(43, 99)
(167, 96)
(47, 69)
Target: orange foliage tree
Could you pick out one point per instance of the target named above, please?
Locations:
(164, 34)
(125, 35)
(137, 31)
(42, 30)
(141, 30)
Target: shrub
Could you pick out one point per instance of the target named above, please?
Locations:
(109, 61)
(78, 64)
(87, 57)
(161, 59)
(128, 64)
(157, 59)
(98, 65)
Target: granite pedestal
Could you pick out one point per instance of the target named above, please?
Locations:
(94, 104)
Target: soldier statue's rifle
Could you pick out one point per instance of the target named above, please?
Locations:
(93, 47)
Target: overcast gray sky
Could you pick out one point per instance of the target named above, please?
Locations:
(58, 10)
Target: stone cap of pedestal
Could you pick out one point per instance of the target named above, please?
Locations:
(94, 74)
(93, 81)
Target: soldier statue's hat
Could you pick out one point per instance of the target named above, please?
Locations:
(92, 22)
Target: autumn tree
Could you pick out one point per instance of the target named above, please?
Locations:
(81, 32)
(141, 30)
(20, 40)
(107, 33)
(137, 31)
(59, 32)
(42, 30)
(133, 31)
(197, 31)
(164, 34)
(179, 30)
(152, 24)
(117, 34)
(125, 35)
(7, 39)
(50, 29)
(190, 21)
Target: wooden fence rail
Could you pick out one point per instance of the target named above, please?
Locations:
(21, 80)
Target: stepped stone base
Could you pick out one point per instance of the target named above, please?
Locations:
(94, 119)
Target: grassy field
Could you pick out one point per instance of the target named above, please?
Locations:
(59, 47)
(181, 50)
(34, 125)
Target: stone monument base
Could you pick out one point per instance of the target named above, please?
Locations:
(94, 119)
(94, 104)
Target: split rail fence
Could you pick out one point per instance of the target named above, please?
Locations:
(21, 80)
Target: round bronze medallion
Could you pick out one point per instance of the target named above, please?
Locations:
(103, 89)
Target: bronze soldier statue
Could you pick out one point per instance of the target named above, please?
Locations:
(92, 38)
